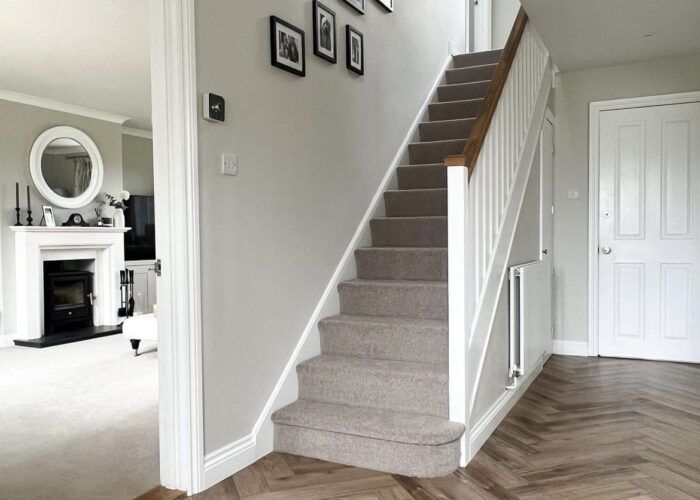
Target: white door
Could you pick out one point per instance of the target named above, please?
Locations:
(546, 190)
(547, 217)
(649, 233)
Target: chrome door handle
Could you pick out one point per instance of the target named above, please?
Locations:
(606, 250)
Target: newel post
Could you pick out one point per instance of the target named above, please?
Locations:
(459, 297)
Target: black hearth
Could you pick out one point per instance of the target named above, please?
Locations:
(67, 300)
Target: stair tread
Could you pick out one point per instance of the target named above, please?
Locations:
(415, 190)
(386, 320)
(372, 423)
(444, 141)
(451, 120)
(461, 68)
(366, 365)
(477, 82)
(408, 217)
(394, 283)
(458, 101)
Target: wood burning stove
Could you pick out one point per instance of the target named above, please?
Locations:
(67, 300)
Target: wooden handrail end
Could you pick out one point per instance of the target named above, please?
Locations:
(455, 161)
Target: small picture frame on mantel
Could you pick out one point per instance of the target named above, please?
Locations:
(49, 219)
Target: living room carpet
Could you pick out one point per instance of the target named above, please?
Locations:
(78, 421)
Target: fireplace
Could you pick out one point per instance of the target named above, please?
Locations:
(68, 298)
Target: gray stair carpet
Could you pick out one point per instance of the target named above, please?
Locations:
(377, 396)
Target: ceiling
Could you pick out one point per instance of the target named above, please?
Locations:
(592, 33)
(89, 53)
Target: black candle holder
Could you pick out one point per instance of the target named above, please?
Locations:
(18, 222)
(29, 218)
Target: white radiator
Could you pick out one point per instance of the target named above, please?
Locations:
(530, 316)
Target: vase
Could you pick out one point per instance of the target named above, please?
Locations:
(119, 220)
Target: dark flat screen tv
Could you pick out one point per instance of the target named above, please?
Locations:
(140, 242)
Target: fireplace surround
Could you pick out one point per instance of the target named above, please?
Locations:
(37, 245)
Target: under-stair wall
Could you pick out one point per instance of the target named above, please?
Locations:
(486, 189)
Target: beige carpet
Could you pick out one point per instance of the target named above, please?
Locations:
(78, 421)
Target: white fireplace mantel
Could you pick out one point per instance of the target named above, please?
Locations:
(35, 245)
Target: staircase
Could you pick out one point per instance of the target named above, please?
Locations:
(377, 396)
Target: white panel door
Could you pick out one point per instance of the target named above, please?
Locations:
(546, 190)
(649, 232)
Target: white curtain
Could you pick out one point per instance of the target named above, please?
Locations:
(83, 172)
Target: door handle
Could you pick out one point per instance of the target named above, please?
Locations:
(606, 250)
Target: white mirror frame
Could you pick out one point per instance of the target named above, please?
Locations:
(96, 178)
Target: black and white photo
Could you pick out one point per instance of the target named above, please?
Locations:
(287, 46)
(49, 219)
(355, 50)
(324, 33)
(358, 5)
(387, 4)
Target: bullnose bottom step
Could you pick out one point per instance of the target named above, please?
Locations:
(399, 443)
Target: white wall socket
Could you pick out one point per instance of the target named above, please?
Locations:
(229, 164)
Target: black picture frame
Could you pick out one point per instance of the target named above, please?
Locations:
(352, 62)
(320, 39)
(387, 5)
(277, 59)
(357, 5)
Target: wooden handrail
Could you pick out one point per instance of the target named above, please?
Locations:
(477, 136)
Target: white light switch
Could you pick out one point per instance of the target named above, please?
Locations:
(229, 164)
(572, 194)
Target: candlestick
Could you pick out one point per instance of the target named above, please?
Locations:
(29, 201)
(17, 195)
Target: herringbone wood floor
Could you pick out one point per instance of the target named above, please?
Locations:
(587, 428)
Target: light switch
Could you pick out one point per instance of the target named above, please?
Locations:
(229, 164)
(572, 194)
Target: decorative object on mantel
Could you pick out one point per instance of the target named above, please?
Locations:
(358, 5)
(287, 47)
(48, 218)
(355, 50)
(387, 4)
(75, 220)
(17, 203)
(119, 206)
(29, 209)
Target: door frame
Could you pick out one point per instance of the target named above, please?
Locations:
(595, 110)
(175, 159)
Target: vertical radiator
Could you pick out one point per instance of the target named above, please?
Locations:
(530, 317)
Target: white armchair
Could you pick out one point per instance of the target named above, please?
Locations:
(138, 328)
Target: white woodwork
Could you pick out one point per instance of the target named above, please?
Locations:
(175, 170)
(37, 244)
(144, 285)
(482, 217)
(649, 218)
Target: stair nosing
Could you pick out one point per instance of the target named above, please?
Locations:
(360, 318)
(413, 190)
(446, 85)
(378, 412)
(443, 141)
(431, 369)
(469, 67)
(443, 103)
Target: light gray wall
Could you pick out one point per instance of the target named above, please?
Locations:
(503, 14)
(137, 157)
(574, 92)
(20, 125)
(526, 248)
(312, 152)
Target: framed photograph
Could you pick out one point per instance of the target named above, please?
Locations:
(287, 47)
(388, 5)
(355, 50)
(324, 33)
(49, 219)
(358, 5)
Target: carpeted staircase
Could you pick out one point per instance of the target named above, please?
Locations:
(377, 396)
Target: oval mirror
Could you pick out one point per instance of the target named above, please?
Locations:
(66, 167)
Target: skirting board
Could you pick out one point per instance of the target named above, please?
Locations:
(232, 457)
(570, 347)
(485, 426)
(229, 459)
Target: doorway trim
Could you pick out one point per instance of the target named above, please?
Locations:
(595, 110)
(176, 174)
